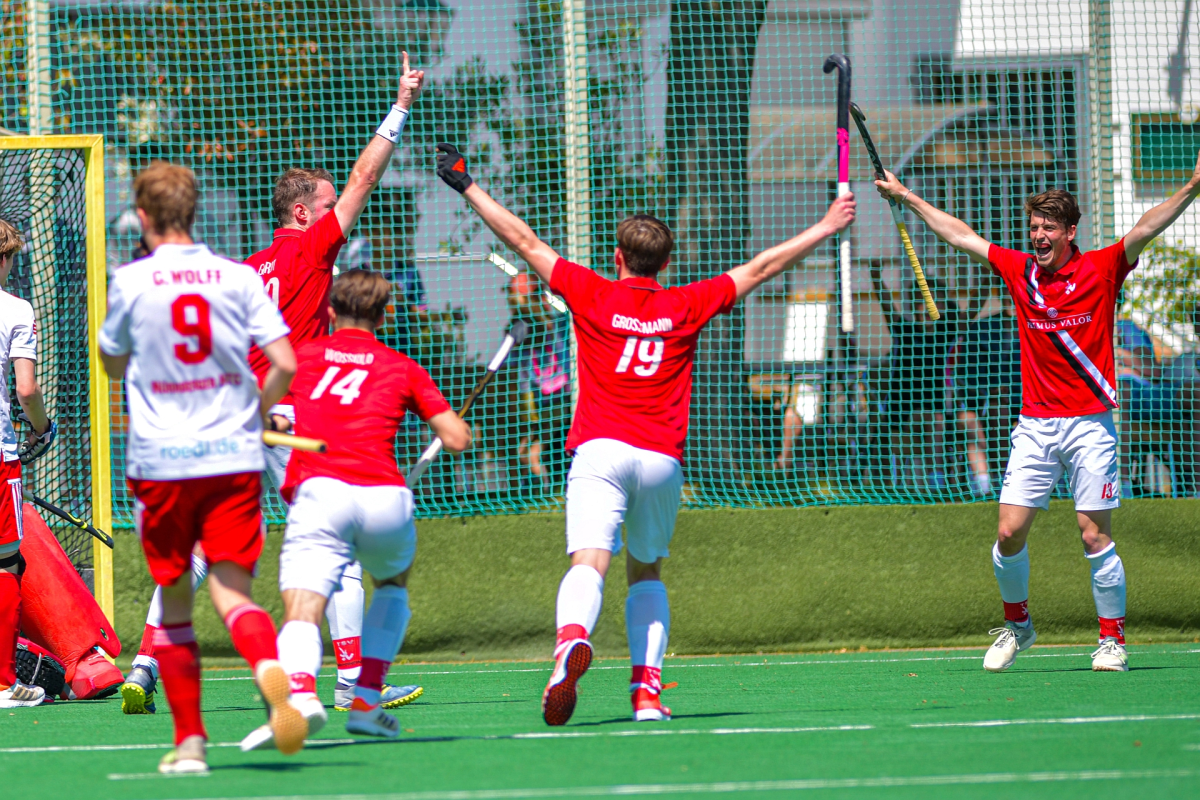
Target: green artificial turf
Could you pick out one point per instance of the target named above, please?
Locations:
(899, 724)
(765, 580)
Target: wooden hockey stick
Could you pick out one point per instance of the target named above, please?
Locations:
(516, 334)
(930, 305)
(277, 439)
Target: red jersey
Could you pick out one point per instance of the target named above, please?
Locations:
(1066, 324)
(297, 271)
(352, 391)
(636, 346)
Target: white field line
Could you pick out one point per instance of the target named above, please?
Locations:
(739, 787)
(1000, 723)
(846, 662)
(88, 748)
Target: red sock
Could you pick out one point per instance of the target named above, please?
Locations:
(253, 633)
(10, 622)
(179, 667)
(1112, 627)
(302, 683)
(147, 647)
(374, 670)
(1017, 612)
(644, 677)
(348, 652)
(568, 632)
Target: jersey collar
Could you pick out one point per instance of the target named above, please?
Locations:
(354, 333)
(637, 282)
(285, 233)
(1067, 269)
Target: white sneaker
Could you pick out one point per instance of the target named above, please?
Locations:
(1110, 657)
(20, 695)
(190, 757)
(287, 723)
(1010, 640)
(263, 738)
(371, 721)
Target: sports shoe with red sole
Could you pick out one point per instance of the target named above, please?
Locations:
(558, 701)
(647, 707)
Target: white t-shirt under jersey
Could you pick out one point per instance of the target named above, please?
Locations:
(18, 339)
(188, 317)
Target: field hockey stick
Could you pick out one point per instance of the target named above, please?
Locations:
(842, 64)
(277, 439)
(67, 516)
(930, 305)
(512, 272)
(516, 334)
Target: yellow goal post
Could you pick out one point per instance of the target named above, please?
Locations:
(52, 188)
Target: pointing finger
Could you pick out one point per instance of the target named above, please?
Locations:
(406, 68)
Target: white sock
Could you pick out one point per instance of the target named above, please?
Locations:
(1012, 574)
(1108, 582)
(344, 611)
(580, 597)
(647, 624)
(154, 613)
(300, 652)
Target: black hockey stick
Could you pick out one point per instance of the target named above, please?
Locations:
(842, 64)
(930, 306)
(516, 334)
(81, 524)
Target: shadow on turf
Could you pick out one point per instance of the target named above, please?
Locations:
(616, 720)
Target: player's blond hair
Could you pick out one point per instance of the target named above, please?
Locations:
(645, 243)
(296, 186)
(360, 294)
(168, 195)
(11, 240)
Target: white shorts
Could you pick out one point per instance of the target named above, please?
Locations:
(277, 457)
(611, 482)
(1042, 448)
(331, 523)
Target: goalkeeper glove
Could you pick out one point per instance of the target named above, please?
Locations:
(452, 167)
(33, 450)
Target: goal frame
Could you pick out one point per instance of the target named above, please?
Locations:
(92, 149)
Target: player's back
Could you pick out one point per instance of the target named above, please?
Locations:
(186, 318)
(636, 347)
(352, 391)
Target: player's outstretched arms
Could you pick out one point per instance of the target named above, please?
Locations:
(1159, 218)
(454, 432)
(951, 230)
(373, 161)
(508, 227)
(29, 395)
(769, 263)
(279, 376)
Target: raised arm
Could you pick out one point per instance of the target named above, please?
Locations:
(508, 227)
(951, 230)
(373, 161)
(1159, 218)
(776, 260)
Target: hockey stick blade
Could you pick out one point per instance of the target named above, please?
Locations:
(860, 120)
(67, 516)
(515, 336)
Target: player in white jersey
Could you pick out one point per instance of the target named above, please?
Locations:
(18, 345)
(178, 330)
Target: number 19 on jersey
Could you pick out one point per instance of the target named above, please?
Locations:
(649, 352)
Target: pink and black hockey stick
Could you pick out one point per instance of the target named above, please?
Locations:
(842, 64)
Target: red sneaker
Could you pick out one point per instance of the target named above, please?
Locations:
(647, 707)
(558, 701)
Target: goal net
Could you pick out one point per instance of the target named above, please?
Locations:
(51, 188)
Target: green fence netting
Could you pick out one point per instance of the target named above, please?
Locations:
(717, 117)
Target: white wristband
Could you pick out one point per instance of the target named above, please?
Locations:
(393, 124)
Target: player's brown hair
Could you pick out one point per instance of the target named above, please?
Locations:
(11, 240)
(1056, 204)
(645, 243)
(168, 194)
(360, 294)
(297, 185)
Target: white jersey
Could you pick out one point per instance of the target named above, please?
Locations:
(18, 339)
(187, 317)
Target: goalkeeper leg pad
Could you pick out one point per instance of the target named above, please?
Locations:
(60, 614)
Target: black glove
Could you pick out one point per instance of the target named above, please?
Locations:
(28, 451)
(452, 167)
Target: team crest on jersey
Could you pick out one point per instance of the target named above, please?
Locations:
(1070, 287)
(1052, 313)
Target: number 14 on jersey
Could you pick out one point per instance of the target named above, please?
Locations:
(649, 352)
(348, 388)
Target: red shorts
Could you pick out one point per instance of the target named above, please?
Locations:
(10, 507)
(220, 512)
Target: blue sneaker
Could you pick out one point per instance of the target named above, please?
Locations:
(137, 693)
